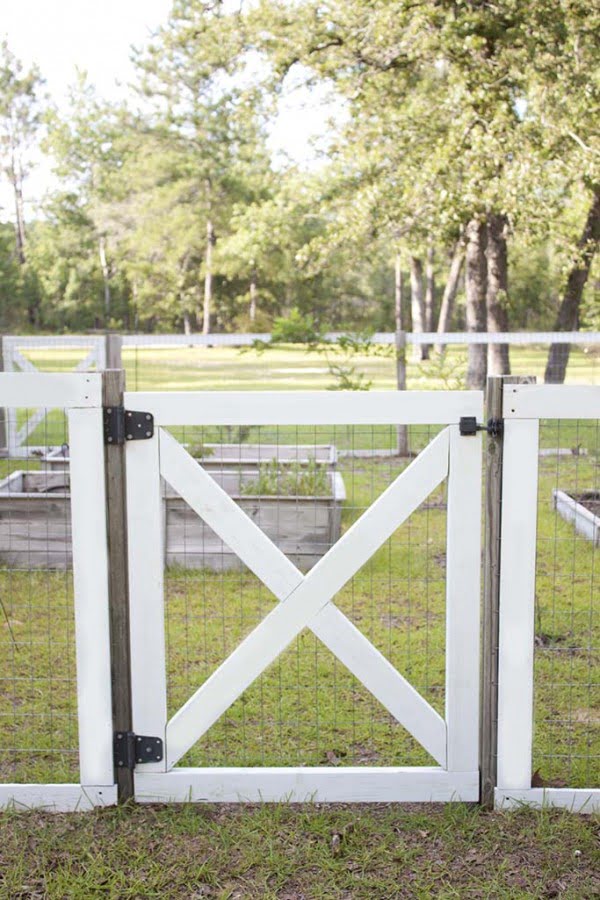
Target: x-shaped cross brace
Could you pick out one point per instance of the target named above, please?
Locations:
(306, 600)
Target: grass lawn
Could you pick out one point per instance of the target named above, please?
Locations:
(299, 853)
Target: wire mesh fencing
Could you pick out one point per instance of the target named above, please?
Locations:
(38, 687)
(304, 487)
(566, 750)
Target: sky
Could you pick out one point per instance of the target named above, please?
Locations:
(96, 35)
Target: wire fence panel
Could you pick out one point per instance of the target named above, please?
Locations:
(38, 697)
(307, 708)
(566, 749)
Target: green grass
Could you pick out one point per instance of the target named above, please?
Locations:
(299, 853)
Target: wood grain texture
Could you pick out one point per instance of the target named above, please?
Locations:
(113, 385)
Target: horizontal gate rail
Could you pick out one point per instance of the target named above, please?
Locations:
(307, 407)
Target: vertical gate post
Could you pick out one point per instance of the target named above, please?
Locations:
(488, 750)
(113, 386)
(3, 430)
(113, 345)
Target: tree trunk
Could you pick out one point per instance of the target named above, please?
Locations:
(401, 430)
(568, 314)
(417, 304)
(105, 277)
(187, 324)
(210, 242)
(253, 297)
(16, 178)
(475, 289)
(497, 292)
(450, 291)
(429, 295)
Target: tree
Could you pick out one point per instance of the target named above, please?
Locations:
(20, 120)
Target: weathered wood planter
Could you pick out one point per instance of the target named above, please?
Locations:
(582, 509)
(235, 456)
(35, 522)
(303, 527)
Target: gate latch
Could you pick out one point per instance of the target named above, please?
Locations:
(130, 749)
(469, 426)
(121, 425)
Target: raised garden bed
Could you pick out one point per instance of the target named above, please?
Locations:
(35, 521)
(232, 456)
(582, 509)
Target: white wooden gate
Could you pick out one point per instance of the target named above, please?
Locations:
(307, 600)
(81, 396)
(94, 359)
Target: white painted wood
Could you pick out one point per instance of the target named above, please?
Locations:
(20, 361)
(56, 797)
(552, 401)
(145, 532)
(30, 425)
(50, 390)
(463, 600)
(88, 362)
(586, 523)
(517, 599)
(577, 800)
(323, 581)
(308, 407)
(380, 677)
(90, 581)
(276, 571)
(224, 516)
(354, 784)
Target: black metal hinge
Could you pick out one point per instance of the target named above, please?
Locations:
(122, 425)
(469, 425)
(130, 749)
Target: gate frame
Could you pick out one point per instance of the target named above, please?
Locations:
(81, 396)
(523, 407)
(460, 780)
(13, 360)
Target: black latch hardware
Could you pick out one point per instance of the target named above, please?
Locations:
(469, 425)
(122, 425)
(131, 749)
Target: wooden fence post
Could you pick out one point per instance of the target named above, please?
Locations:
(3, 426)
(488, 749)
(113, 386)
(114, 346)
(401, 429)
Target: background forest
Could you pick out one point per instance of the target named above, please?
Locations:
(461, 180)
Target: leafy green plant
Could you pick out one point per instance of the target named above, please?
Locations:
(295, 328)
(294, 479)
(200, 451)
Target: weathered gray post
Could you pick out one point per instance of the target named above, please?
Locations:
(488, 759)
(114, 346)
(3, 427)
(113, 386)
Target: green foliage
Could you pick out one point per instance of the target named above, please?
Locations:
(295, 328)
(295, 479)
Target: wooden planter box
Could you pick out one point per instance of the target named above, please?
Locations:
(35, 522)
(586, 523)
(235, 456)
(303, 528)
